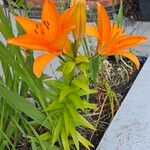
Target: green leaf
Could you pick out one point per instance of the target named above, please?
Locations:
(19, 126)
(3, 144)
(11, 127)
(72, 111)
(67, 119)
(82, 78)
(83, 92)
(81, 59)
(50, 94)
(25, 106)
(84, 141)
(76, 101)
(23, 89)
(89, 105)
(36, 135)
(64, 139)
(119, 19)
(57, 130)
(84, 69)
(83, 85)
(45, 136)
(7, 73)
(33, 144)
(84, 122)
(56, 148)
(74, 135)
(6, 137)
(86, 48)
(68, 67)
(64, 92)
(24, 74)
(54, 106)
(55, 83)
(94, 68)
(7, 29)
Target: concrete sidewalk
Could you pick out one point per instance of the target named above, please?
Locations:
(139, 28)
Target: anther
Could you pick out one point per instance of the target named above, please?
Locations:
(42, 32)
(37, 26)
(36, 31)
(46, 23)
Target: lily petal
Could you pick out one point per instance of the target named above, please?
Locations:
(120, 44)
(59, 43)
(116, 31)
(92, 31)
(41, 61)
(67, 46)
(50, 17)
(67, 16)
(27, 24)
(132, 57)
(30, 41)
(104, 26)
(125, 42)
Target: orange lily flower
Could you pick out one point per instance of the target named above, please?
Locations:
(79, 18)
(51, 35)
(111, 37)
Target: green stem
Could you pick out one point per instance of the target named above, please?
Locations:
(94, 56)
(68, 56)
(2, 114)
(61, 58)
(86, 49)
(76, 46)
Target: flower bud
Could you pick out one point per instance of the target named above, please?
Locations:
(79, 18)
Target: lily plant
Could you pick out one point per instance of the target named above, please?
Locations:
(67, 105)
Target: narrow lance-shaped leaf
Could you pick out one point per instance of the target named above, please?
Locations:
(76, 101)
(57, 130)
(85, 142)
(67, 119)
(68, 67)
(83, 85)
(25, 106)
(74, 134)
(22, 72)
(64, 92)
(82, 121)
(64, 139)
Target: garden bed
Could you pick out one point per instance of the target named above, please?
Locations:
(130, 127)
(120, 86)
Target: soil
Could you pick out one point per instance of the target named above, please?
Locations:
(23, 144)
(131, 9)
